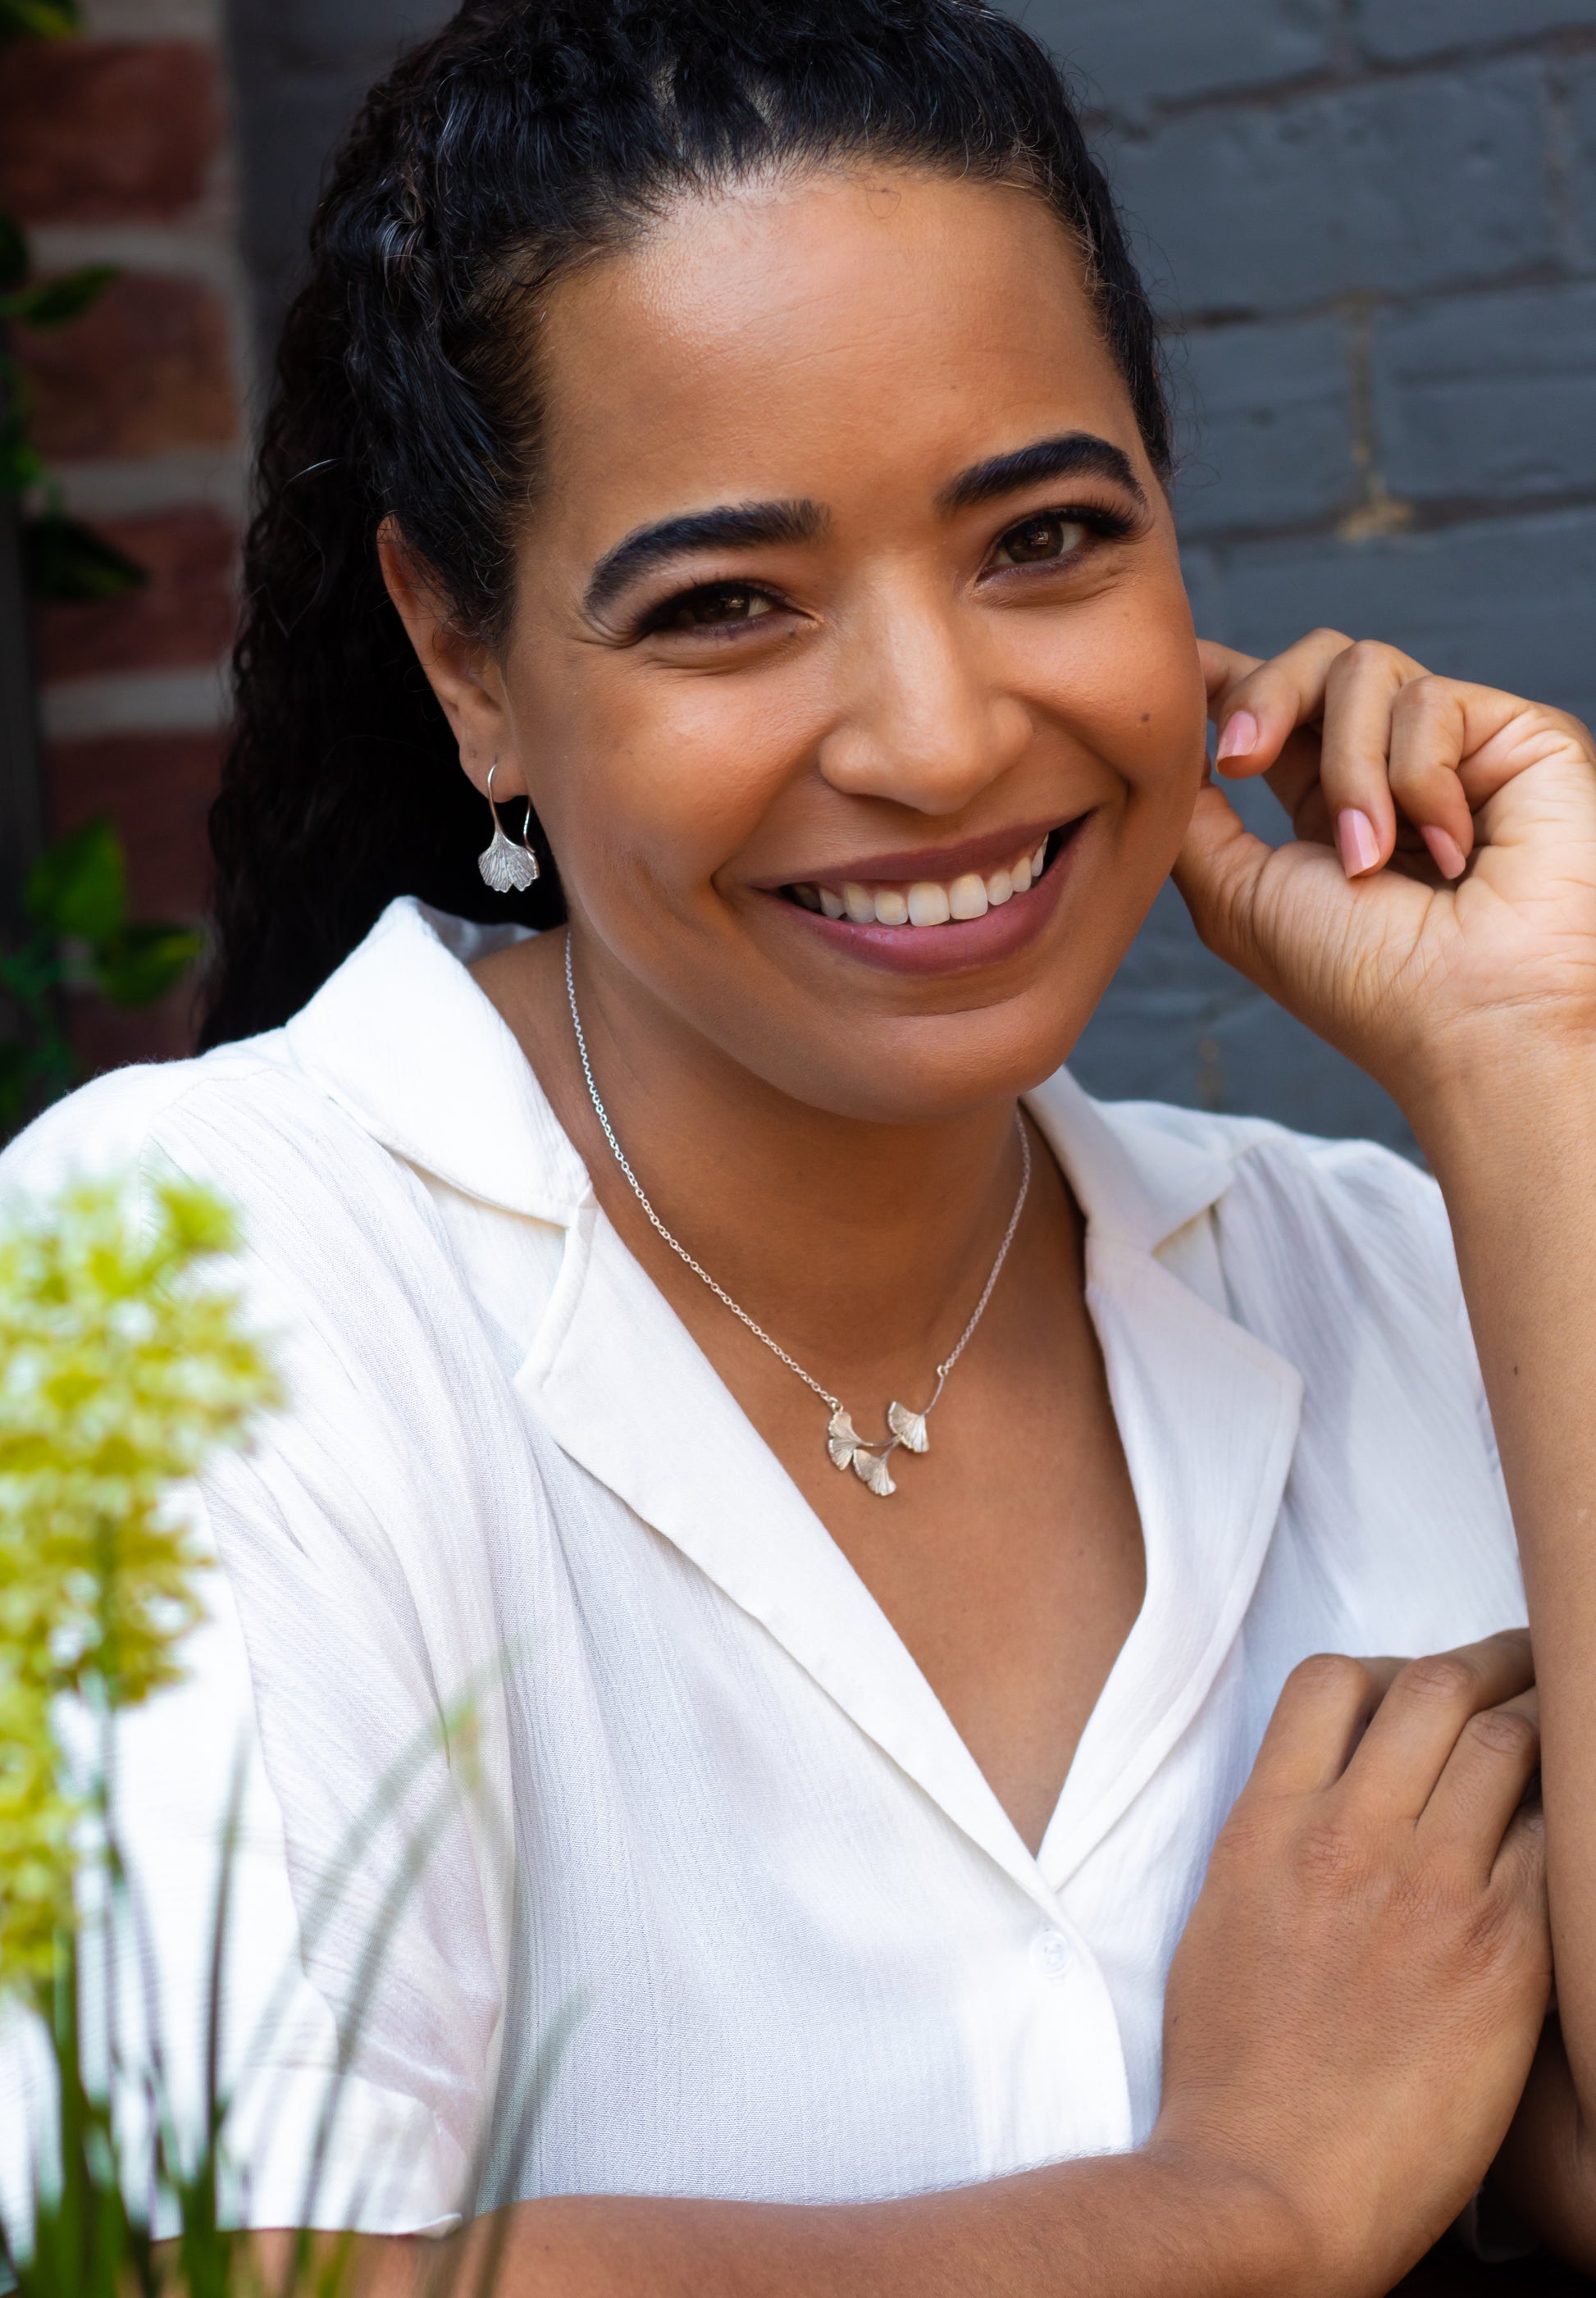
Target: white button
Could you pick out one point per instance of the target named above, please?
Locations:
(1050, 1951)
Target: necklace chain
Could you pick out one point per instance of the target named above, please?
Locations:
(886, 1445)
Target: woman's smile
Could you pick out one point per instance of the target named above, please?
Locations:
(937, 912)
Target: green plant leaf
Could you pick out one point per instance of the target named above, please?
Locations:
(14, 253)
(55, 303)
(19, 464)
(142, 963)
(64, 560)
(79, 884)
(32, 974)
(39, 20)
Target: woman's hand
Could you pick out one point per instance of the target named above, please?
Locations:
(1356, 2001)
(1444, 881)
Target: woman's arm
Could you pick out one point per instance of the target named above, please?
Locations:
(1132, 2227)
(1350, 2019)
(1511, 1136)
(1469, 992)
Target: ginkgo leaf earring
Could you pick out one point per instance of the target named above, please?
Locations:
(508, 865)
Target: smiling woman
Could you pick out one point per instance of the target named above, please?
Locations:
(920, 1527)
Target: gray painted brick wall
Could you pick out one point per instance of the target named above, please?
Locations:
(1375, 222)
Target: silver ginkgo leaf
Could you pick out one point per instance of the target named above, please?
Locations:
(870, 1469)
(908, 1427)
(505, 866)
(842, 1439)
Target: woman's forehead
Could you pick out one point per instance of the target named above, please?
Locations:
(828, 319)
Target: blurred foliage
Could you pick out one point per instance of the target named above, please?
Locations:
(119, 1373)
(116, 1377)
(76, 902)
(47, 20)
(63, 558)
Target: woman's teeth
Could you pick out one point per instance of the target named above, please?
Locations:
(928, 902)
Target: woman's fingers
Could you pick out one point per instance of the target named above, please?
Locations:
(1320, 1716)
(1358, 739)
(1361, 687)
(1224, 671)
(1396, 1732)
(1491, 1769)
(1258, 705)
(1430, 1703)
(1430, 738)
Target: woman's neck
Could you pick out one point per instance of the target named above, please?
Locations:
(859, 1240)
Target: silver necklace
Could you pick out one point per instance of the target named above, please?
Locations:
(867, 1457)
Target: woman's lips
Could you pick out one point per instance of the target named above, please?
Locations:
(960, 945)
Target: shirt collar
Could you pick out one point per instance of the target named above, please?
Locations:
(402, 1037)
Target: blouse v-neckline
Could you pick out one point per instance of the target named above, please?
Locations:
(1207, 1414)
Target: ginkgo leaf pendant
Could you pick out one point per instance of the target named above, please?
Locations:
(870, 1469)
(505, 866)
(842, 1439)
(867, 1461)
(908, 1427)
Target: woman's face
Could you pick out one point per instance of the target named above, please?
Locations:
(851, 589)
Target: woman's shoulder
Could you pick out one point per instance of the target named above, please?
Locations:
(1319, 1167)
(328, 1217)
(211, 1116)
(1319, 1238)
(1151, 1166)
(1299, 1221)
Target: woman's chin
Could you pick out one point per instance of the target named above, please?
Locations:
(929, 1068)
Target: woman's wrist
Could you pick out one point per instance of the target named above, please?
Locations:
(1507, 1097)
(1257, 2233)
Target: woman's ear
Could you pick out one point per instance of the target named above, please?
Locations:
(462, 671)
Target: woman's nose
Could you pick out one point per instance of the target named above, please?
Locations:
(923, 720)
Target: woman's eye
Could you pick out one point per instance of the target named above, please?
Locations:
(712, 606)
(1035, 541)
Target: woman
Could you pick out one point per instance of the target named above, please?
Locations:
(879, 1509)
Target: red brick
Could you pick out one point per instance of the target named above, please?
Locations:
(157, 789)
(148, 368)
(115, 131)
(183, 619)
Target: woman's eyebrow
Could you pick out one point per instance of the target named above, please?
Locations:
(1073, 454)
(734, 525)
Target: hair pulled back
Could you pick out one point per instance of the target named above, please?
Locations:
(527, 135)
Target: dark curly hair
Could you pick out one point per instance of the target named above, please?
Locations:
(525, 136)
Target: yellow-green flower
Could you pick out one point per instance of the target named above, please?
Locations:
(120, 1371)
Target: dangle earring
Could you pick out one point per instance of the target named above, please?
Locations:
(507, 866)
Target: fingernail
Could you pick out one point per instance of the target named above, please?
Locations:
(1445, 852)
(1239, 735)
(1355, 837)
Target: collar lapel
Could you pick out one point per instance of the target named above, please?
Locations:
(626, 1392)
(1208, 1417)
(402, 1039)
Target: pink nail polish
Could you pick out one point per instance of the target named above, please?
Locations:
(1445, 852)
(1238, 736)
(1355, 837)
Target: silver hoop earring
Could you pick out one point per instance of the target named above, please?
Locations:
(507, 865)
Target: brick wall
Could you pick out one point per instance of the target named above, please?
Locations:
(1378, 221)
(116, 148)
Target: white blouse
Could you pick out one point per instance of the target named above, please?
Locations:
(551, 1678)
